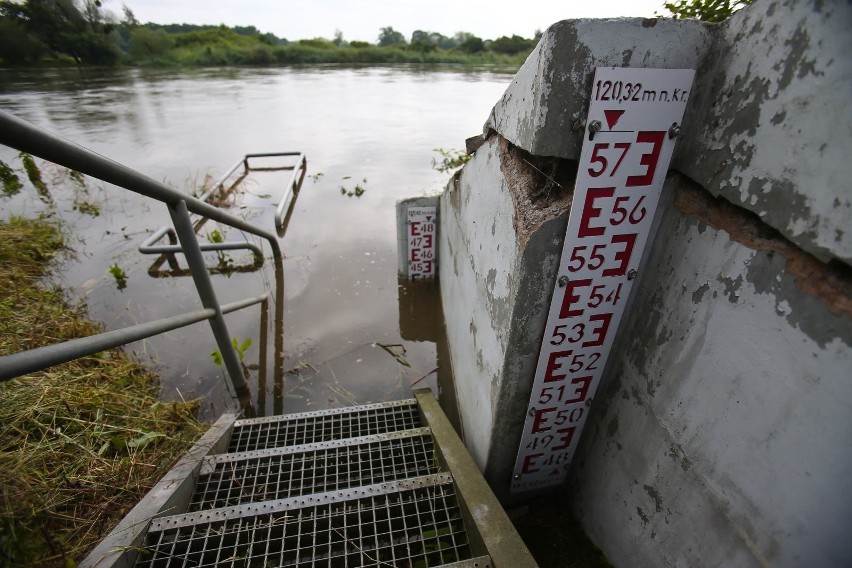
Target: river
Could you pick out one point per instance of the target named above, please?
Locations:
(340, 329)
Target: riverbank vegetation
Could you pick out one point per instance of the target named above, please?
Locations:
(81, 442)
(82, 32)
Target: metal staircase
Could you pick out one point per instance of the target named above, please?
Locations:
(387, 484)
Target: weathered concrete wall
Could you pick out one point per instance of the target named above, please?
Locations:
(488, 253)
(772, 85)
(719, 436)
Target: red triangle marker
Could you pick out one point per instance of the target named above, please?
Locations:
(612, 117)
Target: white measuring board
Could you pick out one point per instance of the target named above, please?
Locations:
(631, 129)
(421, 223)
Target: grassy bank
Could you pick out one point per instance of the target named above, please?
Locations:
(81, 442)
(312, 52)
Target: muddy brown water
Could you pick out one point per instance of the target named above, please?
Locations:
(340, 327)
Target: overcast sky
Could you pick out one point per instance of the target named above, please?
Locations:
(361, 19)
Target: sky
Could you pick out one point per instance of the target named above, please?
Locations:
(362, 19)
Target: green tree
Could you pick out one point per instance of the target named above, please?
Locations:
(389, 36)
(512, 45)
(472, 44)
(129, 19)
(338, 39)
(705, 10)
(148, 44)
(17, 45)
(83, 32)
(422, 41)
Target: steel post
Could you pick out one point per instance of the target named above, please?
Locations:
(192, 252)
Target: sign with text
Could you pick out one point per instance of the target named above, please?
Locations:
(633, 122)
(422, 236)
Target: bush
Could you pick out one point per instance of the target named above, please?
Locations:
(149, 44)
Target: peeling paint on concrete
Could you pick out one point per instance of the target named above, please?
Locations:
(766, 126)
(740, 439)
(718, 431)
(830, 283)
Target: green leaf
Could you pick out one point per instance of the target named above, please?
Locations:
(144, 439)
(104, 448)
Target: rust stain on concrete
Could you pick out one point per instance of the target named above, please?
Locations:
(830, 282)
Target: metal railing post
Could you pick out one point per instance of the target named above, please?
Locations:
(192, 252)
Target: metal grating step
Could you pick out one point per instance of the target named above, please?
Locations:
(412, 523)
(324, 425)
(250, 477)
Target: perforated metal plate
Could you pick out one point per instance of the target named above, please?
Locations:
(407, 524)
(249, 477)
(325, 425)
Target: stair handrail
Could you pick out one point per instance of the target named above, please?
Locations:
(26, 137)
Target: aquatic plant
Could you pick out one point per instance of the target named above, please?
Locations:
(11, 182)
(358, 191)
(119, 275)
(215, 236)
(87, 207)
(450, 159)
(240, 348)
(34, 175)
(78, 178)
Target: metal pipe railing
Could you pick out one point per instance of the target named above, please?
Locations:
(192, 252)
(148, 246)
(25, 137)
(18, 364)
(292, 185)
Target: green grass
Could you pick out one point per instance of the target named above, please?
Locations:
(80, 442)
(219, 53)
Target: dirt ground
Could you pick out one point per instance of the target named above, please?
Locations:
(555, 539)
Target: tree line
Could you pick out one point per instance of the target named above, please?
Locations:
(83, 32)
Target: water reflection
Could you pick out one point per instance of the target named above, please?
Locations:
(421, 318)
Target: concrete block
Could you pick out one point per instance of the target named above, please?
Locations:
(499, 255)
(766, 126)
(720, 438)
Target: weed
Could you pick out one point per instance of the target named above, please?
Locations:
(119, 275)
(316, 177)
(87, 207)
(11, 182)
(82, 442)
(240, 348)
(226, 263)
(78, 178)
(34, 175)
(450, 160)
(215, 236)
(358, 191)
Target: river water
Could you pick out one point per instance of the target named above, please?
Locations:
(340, 327)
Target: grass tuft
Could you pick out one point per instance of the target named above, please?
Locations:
(80, 442)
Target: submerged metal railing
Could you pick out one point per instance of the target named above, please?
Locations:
(25, 137)
(150, 246)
